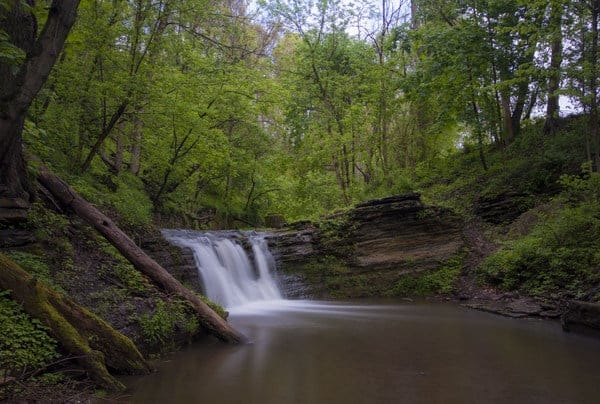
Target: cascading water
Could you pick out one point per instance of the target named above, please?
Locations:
(229, 276)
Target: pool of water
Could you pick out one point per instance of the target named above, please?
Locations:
(379, 352)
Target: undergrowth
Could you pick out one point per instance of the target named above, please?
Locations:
(561, 255)
(25, 346)
(441, 281)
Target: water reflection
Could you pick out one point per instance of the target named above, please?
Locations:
(318, 352)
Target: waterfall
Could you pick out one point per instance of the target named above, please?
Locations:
(229, 276)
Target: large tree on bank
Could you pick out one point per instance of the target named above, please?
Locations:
(19, 84)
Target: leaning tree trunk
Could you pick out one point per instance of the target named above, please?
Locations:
(209, 320)
(94, 343)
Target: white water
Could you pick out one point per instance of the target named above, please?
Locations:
(228, 275)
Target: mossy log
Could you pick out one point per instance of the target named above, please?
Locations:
(93, 342)
(208, 318)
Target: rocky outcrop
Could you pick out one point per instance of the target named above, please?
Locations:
(366, 250)
(509, 305)
(581, 316)
(179, 262)
(400, 231)
(502, 208)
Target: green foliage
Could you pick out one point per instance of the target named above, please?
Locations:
(159, 327)
(441, 281)
(131, 202)
(10, 54)
(127, 277)
(119, 270)
(215, 306)
(36, 266)
(25, 345)
(529, 167)
(123, 194)
(561, 254)
(49, 226)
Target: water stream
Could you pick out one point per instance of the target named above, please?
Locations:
(380, 351)
(229, 275)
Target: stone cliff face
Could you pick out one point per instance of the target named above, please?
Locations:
(367, 250)
(179, 262)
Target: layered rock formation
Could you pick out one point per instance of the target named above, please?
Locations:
(366, 250)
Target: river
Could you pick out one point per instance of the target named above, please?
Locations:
(379, 352)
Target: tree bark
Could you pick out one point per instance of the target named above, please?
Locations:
(136, 147)
(104, 134)
(593, 80)
(552, 106)
(209, 320)
(508, 129)
(94, 343)
(18, 91)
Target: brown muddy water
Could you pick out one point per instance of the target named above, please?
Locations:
(379, 352)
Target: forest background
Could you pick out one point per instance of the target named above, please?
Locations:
(218, 114)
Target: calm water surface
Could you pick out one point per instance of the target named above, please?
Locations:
(357, 352)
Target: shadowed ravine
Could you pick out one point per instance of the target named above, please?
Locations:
(379, 351)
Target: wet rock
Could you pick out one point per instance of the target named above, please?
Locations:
(523, 306)
(294, 246)
(366, 250)
(581, 316)
(551, 313)
(179, 262)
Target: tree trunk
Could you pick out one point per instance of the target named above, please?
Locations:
(552, 106)
(509, 134)
(136, 147)
(95, 344)
(209, 320)
(593, 118)
(104, 134)
(18, 91)
(414, 10)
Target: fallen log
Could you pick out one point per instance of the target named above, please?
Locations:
(208, 318)
(93, 342)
